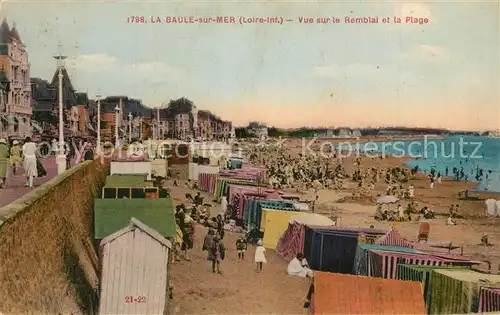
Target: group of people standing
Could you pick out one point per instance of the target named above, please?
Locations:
(14, 156)
(28, 155)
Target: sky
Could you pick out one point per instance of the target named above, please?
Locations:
(443, 74)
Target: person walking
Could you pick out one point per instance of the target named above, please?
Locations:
(4, 162)
(70, 152)
(15, 156)
(29, 163)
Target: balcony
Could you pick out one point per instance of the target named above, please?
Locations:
(26, 110)
(17, 84)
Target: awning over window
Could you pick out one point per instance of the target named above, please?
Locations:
(89, 125)
(36, 126)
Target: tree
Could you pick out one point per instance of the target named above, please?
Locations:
(242, 132)
(274, 132)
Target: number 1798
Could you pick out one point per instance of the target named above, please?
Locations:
(136, 19)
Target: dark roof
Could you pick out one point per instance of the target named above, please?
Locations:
(14, 33)
(180, 106)
(69, 96)
(5, 36)
(42, 105)
(204, 113)
(43, 90)
(66, 79)
(82, 98)
(130, 105)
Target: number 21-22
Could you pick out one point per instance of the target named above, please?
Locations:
(133, 299)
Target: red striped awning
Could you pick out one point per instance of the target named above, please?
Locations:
(393, 238)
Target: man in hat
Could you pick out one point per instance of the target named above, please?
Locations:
(4, 162)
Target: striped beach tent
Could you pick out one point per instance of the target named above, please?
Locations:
(457, 291)
(222, 184)
(361, 261)
(384, 264)
(206, 182)
(421, 274)
(393, 238)
(489, 300)
(291, 242)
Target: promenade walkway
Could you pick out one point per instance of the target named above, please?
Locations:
(15, 184)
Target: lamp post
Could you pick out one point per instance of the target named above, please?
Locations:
(98, 96)
(129, 127)
(117, 112)
(158, 119)
(61, 157)
(140, 129)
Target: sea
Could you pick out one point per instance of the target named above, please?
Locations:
(468, 153)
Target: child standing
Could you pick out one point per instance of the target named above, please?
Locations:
(260, 255)
(241, 247)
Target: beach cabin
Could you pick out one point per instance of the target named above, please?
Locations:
(117, 181)
(489, 300)
(206, 182)
(133, 192)
(422, 274)
(131, 167)
(457, 291)
(112, 215)
(275, 223)
(134, 271)
(336, 293)
(159, 168)
(196, 169)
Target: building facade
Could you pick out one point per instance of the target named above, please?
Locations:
(15, 117)
(257, 129)
(141, 118)
(181, 119)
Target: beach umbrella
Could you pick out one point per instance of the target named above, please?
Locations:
(387, 199)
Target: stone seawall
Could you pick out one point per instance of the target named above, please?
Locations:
(48, 264)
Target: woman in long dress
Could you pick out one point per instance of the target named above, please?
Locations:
(29, 156)
(15, 156)
(4, 162)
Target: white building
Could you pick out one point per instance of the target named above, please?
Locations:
(356, 133)
(344, 133)
(259, 130)
(134, 272)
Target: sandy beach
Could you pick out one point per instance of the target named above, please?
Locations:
(196, 286)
